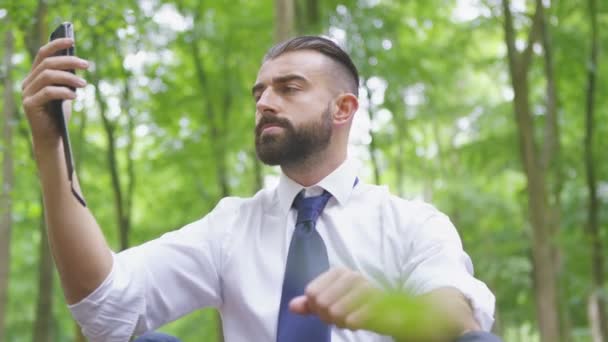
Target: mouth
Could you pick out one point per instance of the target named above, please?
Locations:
(269, 128)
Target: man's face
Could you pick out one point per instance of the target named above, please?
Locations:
(293, 108)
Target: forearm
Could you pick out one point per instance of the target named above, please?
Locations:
(81, 253)
(441, 315)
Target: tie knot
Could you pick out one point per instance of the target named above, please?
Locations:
(309, 208)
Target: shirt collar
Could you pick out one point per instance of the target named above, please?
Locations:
(339, 184)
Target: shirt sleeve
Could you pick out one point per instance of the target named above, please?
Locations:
(157, 282)
(435, 258)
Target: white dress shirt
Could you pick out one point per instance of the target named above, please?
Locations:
(234, 259)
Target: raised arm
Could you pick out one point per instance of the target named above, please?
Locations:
(79, 248)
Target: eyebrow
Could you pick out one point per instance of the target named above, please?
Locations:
(279, 79)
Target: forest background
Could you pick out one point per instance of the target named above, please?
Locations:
(492, 110)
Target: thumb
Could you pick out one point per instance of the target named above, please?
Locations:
(299, 305)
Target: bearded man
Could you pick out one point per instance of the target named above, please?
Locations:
(306, 260)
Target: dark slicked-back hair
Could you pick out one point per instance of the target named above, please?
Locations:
(323, 46)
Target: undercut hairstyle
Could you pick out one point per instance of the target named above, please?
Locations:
(325, 47)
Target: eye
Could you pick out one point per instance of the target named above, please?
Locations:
(290, 88)
(256, 96)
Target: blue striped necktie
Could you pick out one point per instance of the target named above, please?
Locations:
(307, 258)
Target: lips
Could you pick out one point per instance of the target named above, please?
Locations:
(265, 127)
(269, 123)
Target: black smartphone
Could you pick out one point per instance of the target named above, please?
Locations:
(65, 30)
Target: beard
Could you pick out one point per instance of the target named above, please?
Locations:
(293, 145)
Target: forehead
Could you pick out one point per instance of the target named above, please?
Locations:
(308, 63)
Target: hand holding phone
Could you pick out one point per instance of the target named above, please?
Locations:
(65, 30)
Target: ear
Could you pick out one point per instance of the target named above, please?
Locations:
(345, 108)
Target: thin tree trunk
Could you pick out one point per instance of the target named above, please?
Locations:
(122, 200)
(109, 127)
(372, 148)
(258, 172)
(539, 208)
(130, 187)
(44, 307)
(6, 205)
(597, 304)
(220, 150)
(551, 166)
(216, 137)
(313, 14)
(400, 132)
(400, 166)
(307, 16)
(284, 19)
(44, 319)
(35, 38)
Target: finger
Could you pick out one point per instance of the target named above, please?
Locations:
(47, 94)
(358, 319)
(50, 48)
(339, 287)
(354, 298)
(53, 77)
(358, 295)
(324, 303)
(316, 287)
(56, 63)
(299, 305)
(321, 282)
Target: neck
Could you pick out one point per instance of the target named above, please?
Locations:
(313, 169)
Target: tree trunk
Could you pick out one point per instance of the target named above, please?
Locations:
(284, 19)
(6, 206)
(539, 208)
(216, 136)
(37, 36)
(110, 129)
(551, 167)
(258, 172)
(307, 16)
(130, 177)
(399, 161)
(122, 200)
(216, 132)
(597, 303)
(42, 327)
(44, 307)
(372, 148)
(400, 123)
(313, 14)
(43, 321)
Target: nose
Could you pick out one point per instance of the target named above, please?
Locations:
(267, 102)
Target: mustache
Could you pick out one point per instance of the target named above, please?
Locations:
(271, 120)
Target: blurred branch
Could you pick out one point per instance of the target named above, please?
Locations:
(597, 302)
(551, 137)
(37, 37)
(532, 37)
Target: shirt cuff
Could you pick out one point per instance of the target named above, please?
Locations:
(110, 313)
